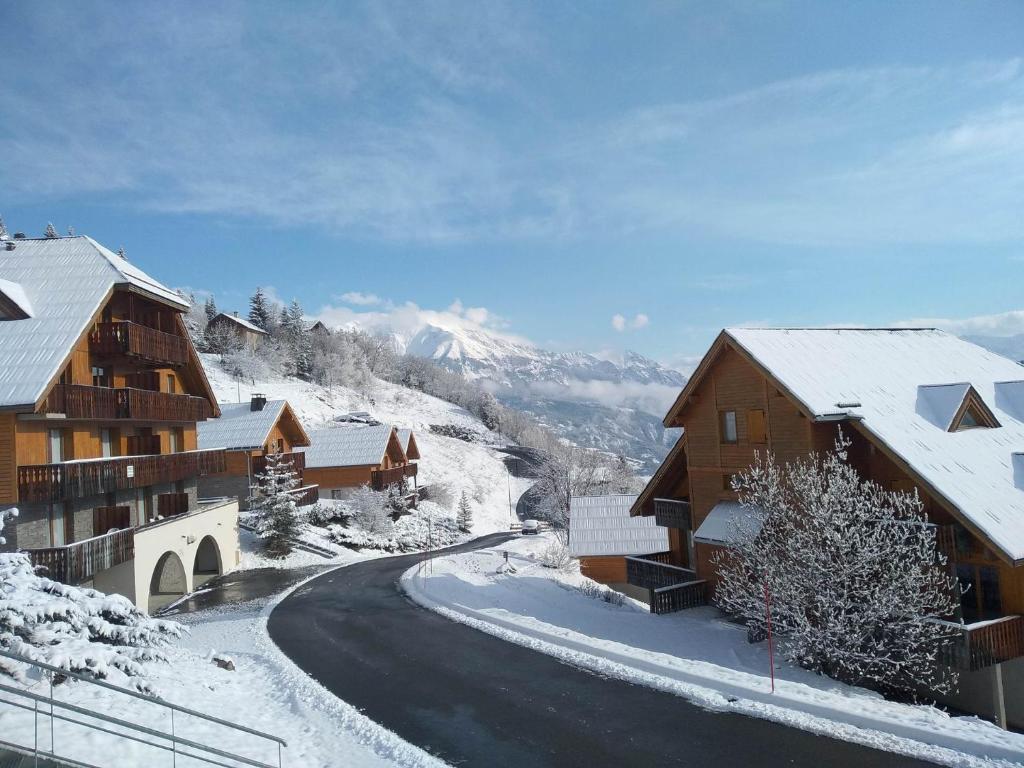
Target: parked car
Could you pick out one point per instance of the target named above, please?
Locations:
(531, 526)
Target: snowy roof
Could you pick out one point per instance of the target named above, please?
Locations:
(408, 442)
(903, 385)
(14, 293)
(239, 426)
(61, 283)
(725, 520)
(601, 525)
(242, 322)
(347, 446)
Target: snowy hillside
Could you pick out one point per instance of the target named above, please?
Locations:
(474, 467)
(613, 404)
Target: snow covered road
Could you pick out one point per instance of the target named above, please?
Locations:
(473, 699)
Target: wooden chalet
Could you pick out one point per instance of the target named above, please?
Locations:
(924, 410)
(407, 439)
(341, 458)
(248, 432)
(100, 393)
(248, 334)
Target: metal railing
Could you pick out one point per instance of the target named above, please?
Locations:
(169, 741)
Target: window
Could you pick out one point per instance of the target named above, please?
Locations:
(727, 426)
(173, 438)
(56, 441)
(337, 493)
(100, 377)
(105, 443)
(757, 428)
(170, 383)
(979, 592)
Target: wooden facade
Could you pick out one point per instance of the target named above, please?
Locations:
(393, 467)
(732, 409)
(118, 421)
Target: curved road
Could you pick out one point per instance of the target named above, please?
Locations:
(472, 699)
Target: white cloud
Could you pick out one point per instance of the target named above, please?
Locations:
(361, 299)
(620, 323)
(1009, 323)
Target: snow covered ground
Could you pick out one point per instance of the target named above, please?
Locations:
(695, 654)
(474, 467)
(265, 691)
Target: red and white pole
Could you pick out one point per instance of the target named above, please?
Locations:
(768, 617)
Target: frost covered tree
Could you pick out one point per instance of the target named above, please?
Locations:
(80, 630)
(272, 507)
(565, 471)
(371, 511)
(210, 308)
(851, 570)
(51, 231)
(464, 516)
(3, 229)
(260, 311)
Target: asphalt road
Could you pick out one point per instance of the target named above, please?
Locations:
(472, 699)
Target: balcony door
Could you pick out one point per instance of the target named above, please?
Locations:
(60, 512)
(56, 446)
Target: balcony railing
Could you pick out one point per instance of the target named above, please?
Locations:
(127, 338)
(382, 478)
(81, 479)
(986, 643)
(80, 561)
(78, 401)
(296, 459)
(673, 513)
(143, 445)
(309, 494)
(671, 588)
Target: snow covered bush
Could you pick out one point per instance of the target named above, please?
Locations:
(597, 591)
(272, 507)
(556, 555)
(371, 510)
(851, 571)
(428, 527)
(356, 538)
(439, 493)
(324, 513)
(80, 630)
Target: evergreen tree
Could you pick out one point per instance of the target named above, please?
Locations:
(51, 232)
(3, 229)
(259, 311)
(210, 308)
(464, 517)
(272, 507)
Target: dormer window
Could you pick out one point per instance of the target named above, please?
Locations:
(954, 407)
(973, 414)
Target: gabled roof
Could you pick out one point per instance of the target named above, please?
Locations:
(675, 457)
(241, 428)
(350, 446)
(240, 321)
(601, 526)
(14, 303)
(873, 377)
(408, 441)
(63, 282)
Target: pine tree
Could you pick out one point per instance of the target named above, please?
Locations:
(259, 311)
(272, 507)
(80, 630)
(3, 229)
(51, 231)
(210, 308)
(464, 517)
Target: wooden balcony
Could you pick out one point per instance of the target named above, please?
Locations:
(309, 494)
(171, 504)
(80, 561)
(382, 478)
(679, 597)
(78, 401)
(297, 459)
(985, 643)
(81, 479)
(106, 518)
(671, 588)
(673, 513)
(143, 445)
(139, 341)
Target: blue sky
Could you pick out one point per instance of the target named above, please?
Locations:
(590, 175)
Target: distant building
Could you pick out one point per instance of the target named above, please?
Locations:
(342, 458)
(250, 431)
(319, 328)
(248, 334)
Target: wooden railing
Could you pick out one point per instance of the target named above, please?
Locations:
(143, 445)
(651, 573)
(309, 494)
(679, 597)
(171, 504)
(78, 401)
(127, 338)
(81, 479)
(297, 459)
(986, 643)
(80, 561)
(106, 518)
(382, 478)
(673, 513)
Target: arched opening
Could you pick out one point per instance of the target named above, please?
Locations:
(207, 562)
(168, 582)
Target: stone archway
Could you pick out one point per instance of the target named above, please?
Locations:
(208, 563)
(169, 582)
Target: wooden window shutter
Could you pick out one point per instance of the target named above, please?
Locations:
(757, 428)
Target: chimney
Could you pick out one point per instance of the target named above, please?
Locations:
(235, 313)
(257, 402)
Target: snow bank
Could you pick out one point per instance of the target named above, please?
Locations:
(694, 654)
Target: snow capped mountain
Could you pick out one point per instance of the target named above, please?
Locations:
(610, 402)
